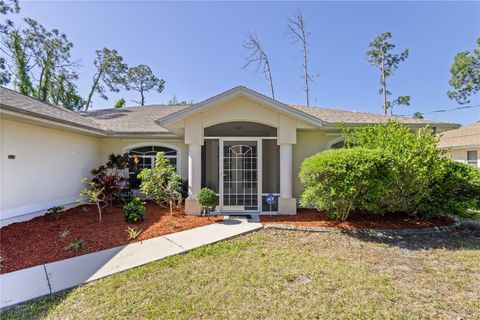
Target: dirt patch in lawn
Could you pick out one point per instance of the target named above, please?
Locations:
(44, 239)
(314, 218)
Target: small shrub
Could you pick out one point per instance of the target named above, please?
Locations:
(53, 211)
(344, 180)
(134, 211)
(133, 233)
(95, 195)
(161, 183)
(75, 245)
(207, 198)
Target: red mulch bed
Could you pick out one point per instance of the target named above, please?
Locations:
(38, 241)
(314, 218)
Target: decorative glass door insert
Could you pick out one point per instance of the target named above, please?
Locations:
(240, 176)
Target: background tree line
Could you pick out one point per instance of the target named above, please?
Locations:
(38, 63)
(464, 79)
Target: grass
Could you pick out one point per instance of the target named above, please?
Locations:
(285, 274)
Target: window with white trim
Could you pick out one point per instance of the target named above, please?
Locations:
(146, 160)
(472, 158)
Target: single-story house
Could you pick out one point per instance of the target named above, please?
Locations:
(240, 143)
(463, 144)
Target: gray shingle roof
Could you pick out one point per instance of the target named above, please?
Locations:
(353, 117)
(13, 100)
(133, 119)
(146, 119)
(464, 136)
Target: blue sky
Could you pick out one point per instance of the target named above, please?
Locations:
(197, 48)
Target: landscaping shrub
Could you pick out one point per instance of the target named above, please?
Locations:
(344, 180)
(161, 183)
(134, 211)
(95, 195)
(413, 176)
(207, 198)
(416, 166)
(426, 184)
(455, 190)
(113, 178)
(108, 183)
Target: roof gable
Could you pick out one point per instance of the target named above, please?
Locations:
(236, 93)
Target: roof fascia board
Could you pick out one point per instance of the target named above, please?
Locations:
(466, 146)
(71, 126)
(36, 117)
(335, 125)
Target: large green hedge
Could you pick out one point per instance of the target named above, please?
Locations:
(344, 180)
(389, 168)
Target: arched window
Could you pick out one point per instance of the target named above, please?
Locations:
(335, 143)
(146, 160)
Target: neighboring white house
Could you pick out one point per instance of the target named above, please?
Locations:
(463, 144)
(240, 143)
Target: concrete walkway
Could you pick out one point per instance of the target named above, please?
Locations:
(20, 286)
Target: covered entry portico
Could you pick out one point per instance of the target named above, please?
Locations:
(240, 144)
(240, 162)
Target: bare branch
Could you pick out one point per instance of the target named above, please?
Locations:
(297, 29)
(259, 57)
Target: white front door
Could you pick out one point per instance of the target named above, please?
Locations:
(240, 175)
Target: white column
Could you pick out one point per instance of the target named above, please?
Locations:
(194, 169)
(286, 170)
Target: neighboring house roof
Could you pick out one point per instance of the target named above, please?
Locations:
(151, 118)
(467, 136)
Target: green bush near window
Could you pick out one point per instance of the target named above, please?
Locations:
(414, 177)
(207, 198)
(161, 183)
(134, 211)
(341, 181)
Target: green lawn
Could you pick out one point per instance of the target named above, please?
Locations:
(288, 274)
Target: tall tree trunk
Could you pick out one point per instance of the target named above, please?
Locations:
(92, 90)
(384, 86)
(305, 65)
(270, 79)
(39, 90)
(142, 97)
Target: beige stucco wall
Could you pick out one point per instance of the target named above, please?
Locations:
(308, 143)
(47, 168)
(121, 145)
(461, 154)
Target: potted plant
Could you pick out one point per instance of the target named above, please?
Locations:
(207, 198)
